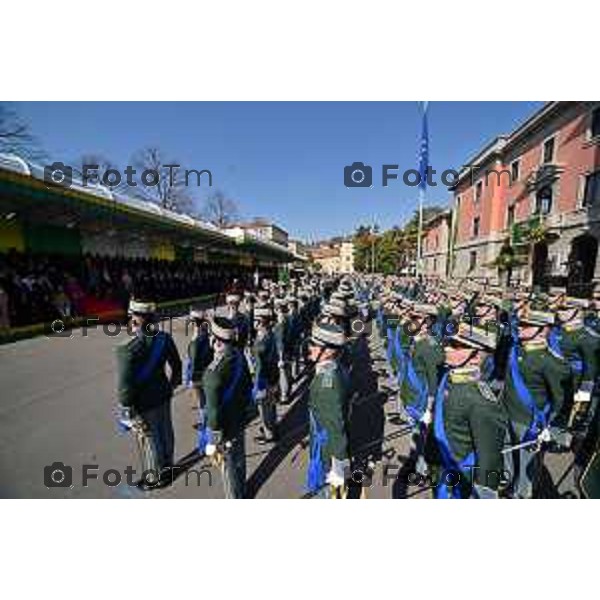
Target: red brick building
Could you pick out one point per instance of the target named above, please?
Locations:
(436, 245)
(543, 178)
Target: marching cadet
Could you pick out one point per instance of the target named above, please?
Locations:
(283, 344)
(295, 329)
(240, 321)
(579, 344)
(266, 372)
(537, 381)
(227, 386)
(249, 302)
(329, 458)
(199, 356)
(145, 391)
(469, 423)
(421, 368)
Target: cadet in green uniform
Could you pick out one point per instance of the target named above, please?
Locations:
(282, 331)
(266, 372)
(537, 381)
(469, 423)
(240, 321)
(421, 366)
(295, 329)
(329, 458)
(228, 388)
(199, 356)
(145, 391)
(580, 346)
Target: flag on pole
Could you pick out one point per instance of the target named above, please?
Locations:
(424, 149)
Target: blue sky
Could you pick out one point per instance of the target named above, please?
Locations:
(283, 160)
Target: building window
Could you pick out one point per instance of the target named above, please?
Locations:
(435, 265)
(591, 192)
(514, 171)
(543, 201)
(595, 125)
(476, 222)
(548, 151)
(472, 260)
(510, 216)
(478, 191)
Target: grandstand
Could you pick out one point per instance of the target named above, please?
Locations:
(41, 221)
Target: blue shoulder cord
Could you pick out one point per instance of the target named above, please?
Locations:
(417, 410)
(540, 418)
(146, 370)
(315, 477)
(554, 339)
(188, 368)
(156, 351)
(449, 462)
(205, 434)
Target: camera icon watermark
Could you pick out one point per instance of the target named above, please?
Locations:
(358, 175)
(361, 327)
(58, 475)
(58, 174)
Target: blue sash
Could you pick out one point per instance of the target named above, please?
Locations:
(315, 479)
(416, 410)
(390, 345)
(449, 462)
(487, 368)
(554, 339)
(156, 352)
(205, 434)
(540, 418)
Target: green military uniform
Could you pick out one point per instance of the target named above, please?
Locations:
(283, 343)
(474, 422)
(199, 355)
(227, 418)
(580, 342)
(266, 378)
(427, 358)
(228, 388)
(145, 391)
(327, 401)
(547, 378)
(470, 426)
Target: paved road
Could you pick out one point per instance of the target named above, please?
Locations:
(58, 405)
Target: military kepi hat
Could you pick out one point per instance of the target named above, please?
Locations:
(139, 307)
(223, 329)
(328, 335)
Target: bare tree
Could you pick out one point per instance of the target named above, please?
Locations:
(220, 210)
(15, 135)
(168, 189)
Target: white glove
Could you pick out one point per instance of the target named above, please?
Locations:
(281, 364)
(426, 418)
(261, 395)
(337, 474)
(125, 419)
(583, 396)
(210, 449)
(545, 436)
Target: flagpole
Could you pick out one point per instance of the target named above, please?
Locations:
(420, 230)
(423, 165)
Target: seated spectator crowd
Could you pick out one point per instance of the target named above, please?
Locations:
(37, 288)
